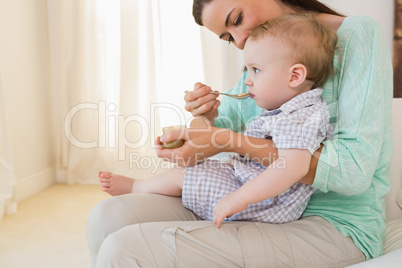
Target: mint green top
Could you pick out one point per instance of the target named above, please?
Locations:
(353, 174)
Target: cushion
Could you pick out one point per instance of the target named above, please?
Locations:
(392, 249)
(390, 260)
(393, 240)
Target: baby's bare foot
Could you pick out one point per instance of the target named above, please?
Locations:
(115, 184)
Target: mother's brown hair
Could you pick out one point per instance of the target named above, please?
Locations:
(299, 5)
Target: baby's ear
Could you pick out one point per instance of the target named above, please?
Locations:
(298, 73)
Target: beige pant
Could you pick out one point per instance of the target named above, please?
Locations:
(143, 230)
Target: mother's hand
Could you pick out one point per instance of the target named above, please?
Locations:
(200, 103)
(199, 144)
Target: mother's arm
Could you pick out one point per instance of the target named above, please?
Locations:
(202, 141)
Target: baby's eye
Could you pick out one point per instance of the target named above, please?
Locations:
(230, 39)
(256, 70)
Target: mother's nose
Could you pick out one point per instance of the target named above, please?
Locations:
(240, 38)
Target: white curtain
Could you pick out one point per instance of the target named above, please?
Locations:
(84, 80)
(118, 72)
(119, 69)
(7, 179)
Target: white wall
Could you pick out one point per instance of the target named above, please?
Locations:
(25, 73)
(382, 11)
(393, 211)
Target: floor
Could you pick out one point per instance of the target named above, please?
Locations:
(49, 229)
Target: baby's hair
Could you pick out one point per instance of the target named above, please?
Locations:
(311, 43)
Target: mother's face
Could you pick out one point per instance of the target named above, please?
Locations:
(233, 20)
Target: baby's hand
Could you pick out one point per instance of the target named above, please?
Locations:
(228, 206)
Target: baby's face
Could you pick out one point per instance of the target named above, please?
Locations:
(269, 72)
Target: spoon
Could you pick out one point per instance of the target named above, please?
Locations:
(235, 96)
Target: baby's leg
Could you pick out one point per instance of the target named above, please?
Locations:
(167, 183)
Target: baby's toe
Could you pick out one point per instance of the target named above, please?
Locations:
(104, 174)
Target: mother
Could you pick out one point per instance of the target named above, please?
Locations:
(344, 221)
